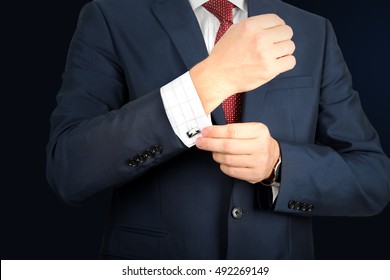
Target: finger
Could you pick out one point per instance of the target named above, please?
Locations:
(282, 49)
(228, 146)
(246, 174)
(278, 33)
(285, 63)
(242, 161)
(235, 131)
(266, 21)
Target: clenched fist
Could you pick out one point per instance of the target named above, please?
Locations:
(250, 54)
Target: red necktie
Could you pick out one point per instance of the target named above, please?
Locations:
(223, 11)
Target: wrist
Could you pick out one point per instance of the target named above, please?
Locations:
(211, 87)
(274, 179)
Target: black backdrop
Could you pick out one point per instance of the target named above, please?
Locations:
(35, 39)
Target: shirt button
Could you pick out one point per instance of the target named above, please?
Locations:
(237, 213)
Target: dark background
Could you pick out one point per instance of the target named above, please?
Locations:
(34, 43)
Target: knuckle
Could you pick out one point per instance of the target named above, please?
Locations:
(260, 127)
(263, 131)
(227, 146)
(247, 25)
(205, 144)
(288, 48)
(292, 47)
(291, 62)
(228, 160)
(267, 71)
(290, 31)
(276, 19)
(223, 159)
(224, 169)
(228, 170)
(232, 131)
(259, 36)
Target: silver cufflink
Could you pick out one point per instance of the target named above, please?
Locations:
(194, 131)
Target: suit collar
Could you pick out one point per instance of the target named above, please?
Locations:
(241, 4)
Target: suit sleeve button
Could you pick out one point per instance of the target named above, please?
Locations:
(133, 163)
(297, 206)
(291, 204)
(149, 154)
(237, 213)
(310, 208)
(157, 149)
(139, 158)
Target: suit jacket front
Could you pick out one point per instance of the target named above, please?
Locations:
(172, 202)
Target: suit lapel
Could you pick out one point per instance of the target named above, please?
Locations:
(254, 100)
(258, 7)
(179, 21)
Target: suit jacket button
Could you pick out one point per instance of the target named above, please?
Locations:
(304, 207)
(237, 213)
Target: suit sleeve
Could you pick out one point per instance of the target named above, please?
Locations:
(99, 138)
(345, 173)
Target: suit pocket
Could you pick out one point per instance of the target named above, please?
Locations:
(133, 242)
(291, 107)
(285, 83)
(150, 231)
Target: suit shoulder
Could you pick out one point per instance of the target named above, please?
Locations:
(123, 7)
(122, 3)
(298, 13)
(302, 21)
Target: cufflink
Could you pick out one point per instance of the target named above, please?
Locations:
(193, 132)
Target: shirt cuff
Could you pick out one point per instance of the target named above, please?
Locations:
(184, 109)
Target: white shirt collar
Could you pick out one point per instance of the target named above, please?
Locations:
(241, 4)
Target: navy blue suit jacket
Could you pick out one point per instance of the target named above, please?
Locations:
(173, 202)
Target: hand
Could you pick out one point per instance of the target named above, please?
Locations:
(249, 55)
(244, 151)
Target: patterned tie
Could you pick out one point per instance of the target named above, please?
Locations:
(223, 11)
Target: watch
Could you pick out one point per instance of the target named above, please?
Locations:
(274, 179)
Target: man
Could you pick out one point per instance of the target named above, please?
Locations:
(279, 132)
